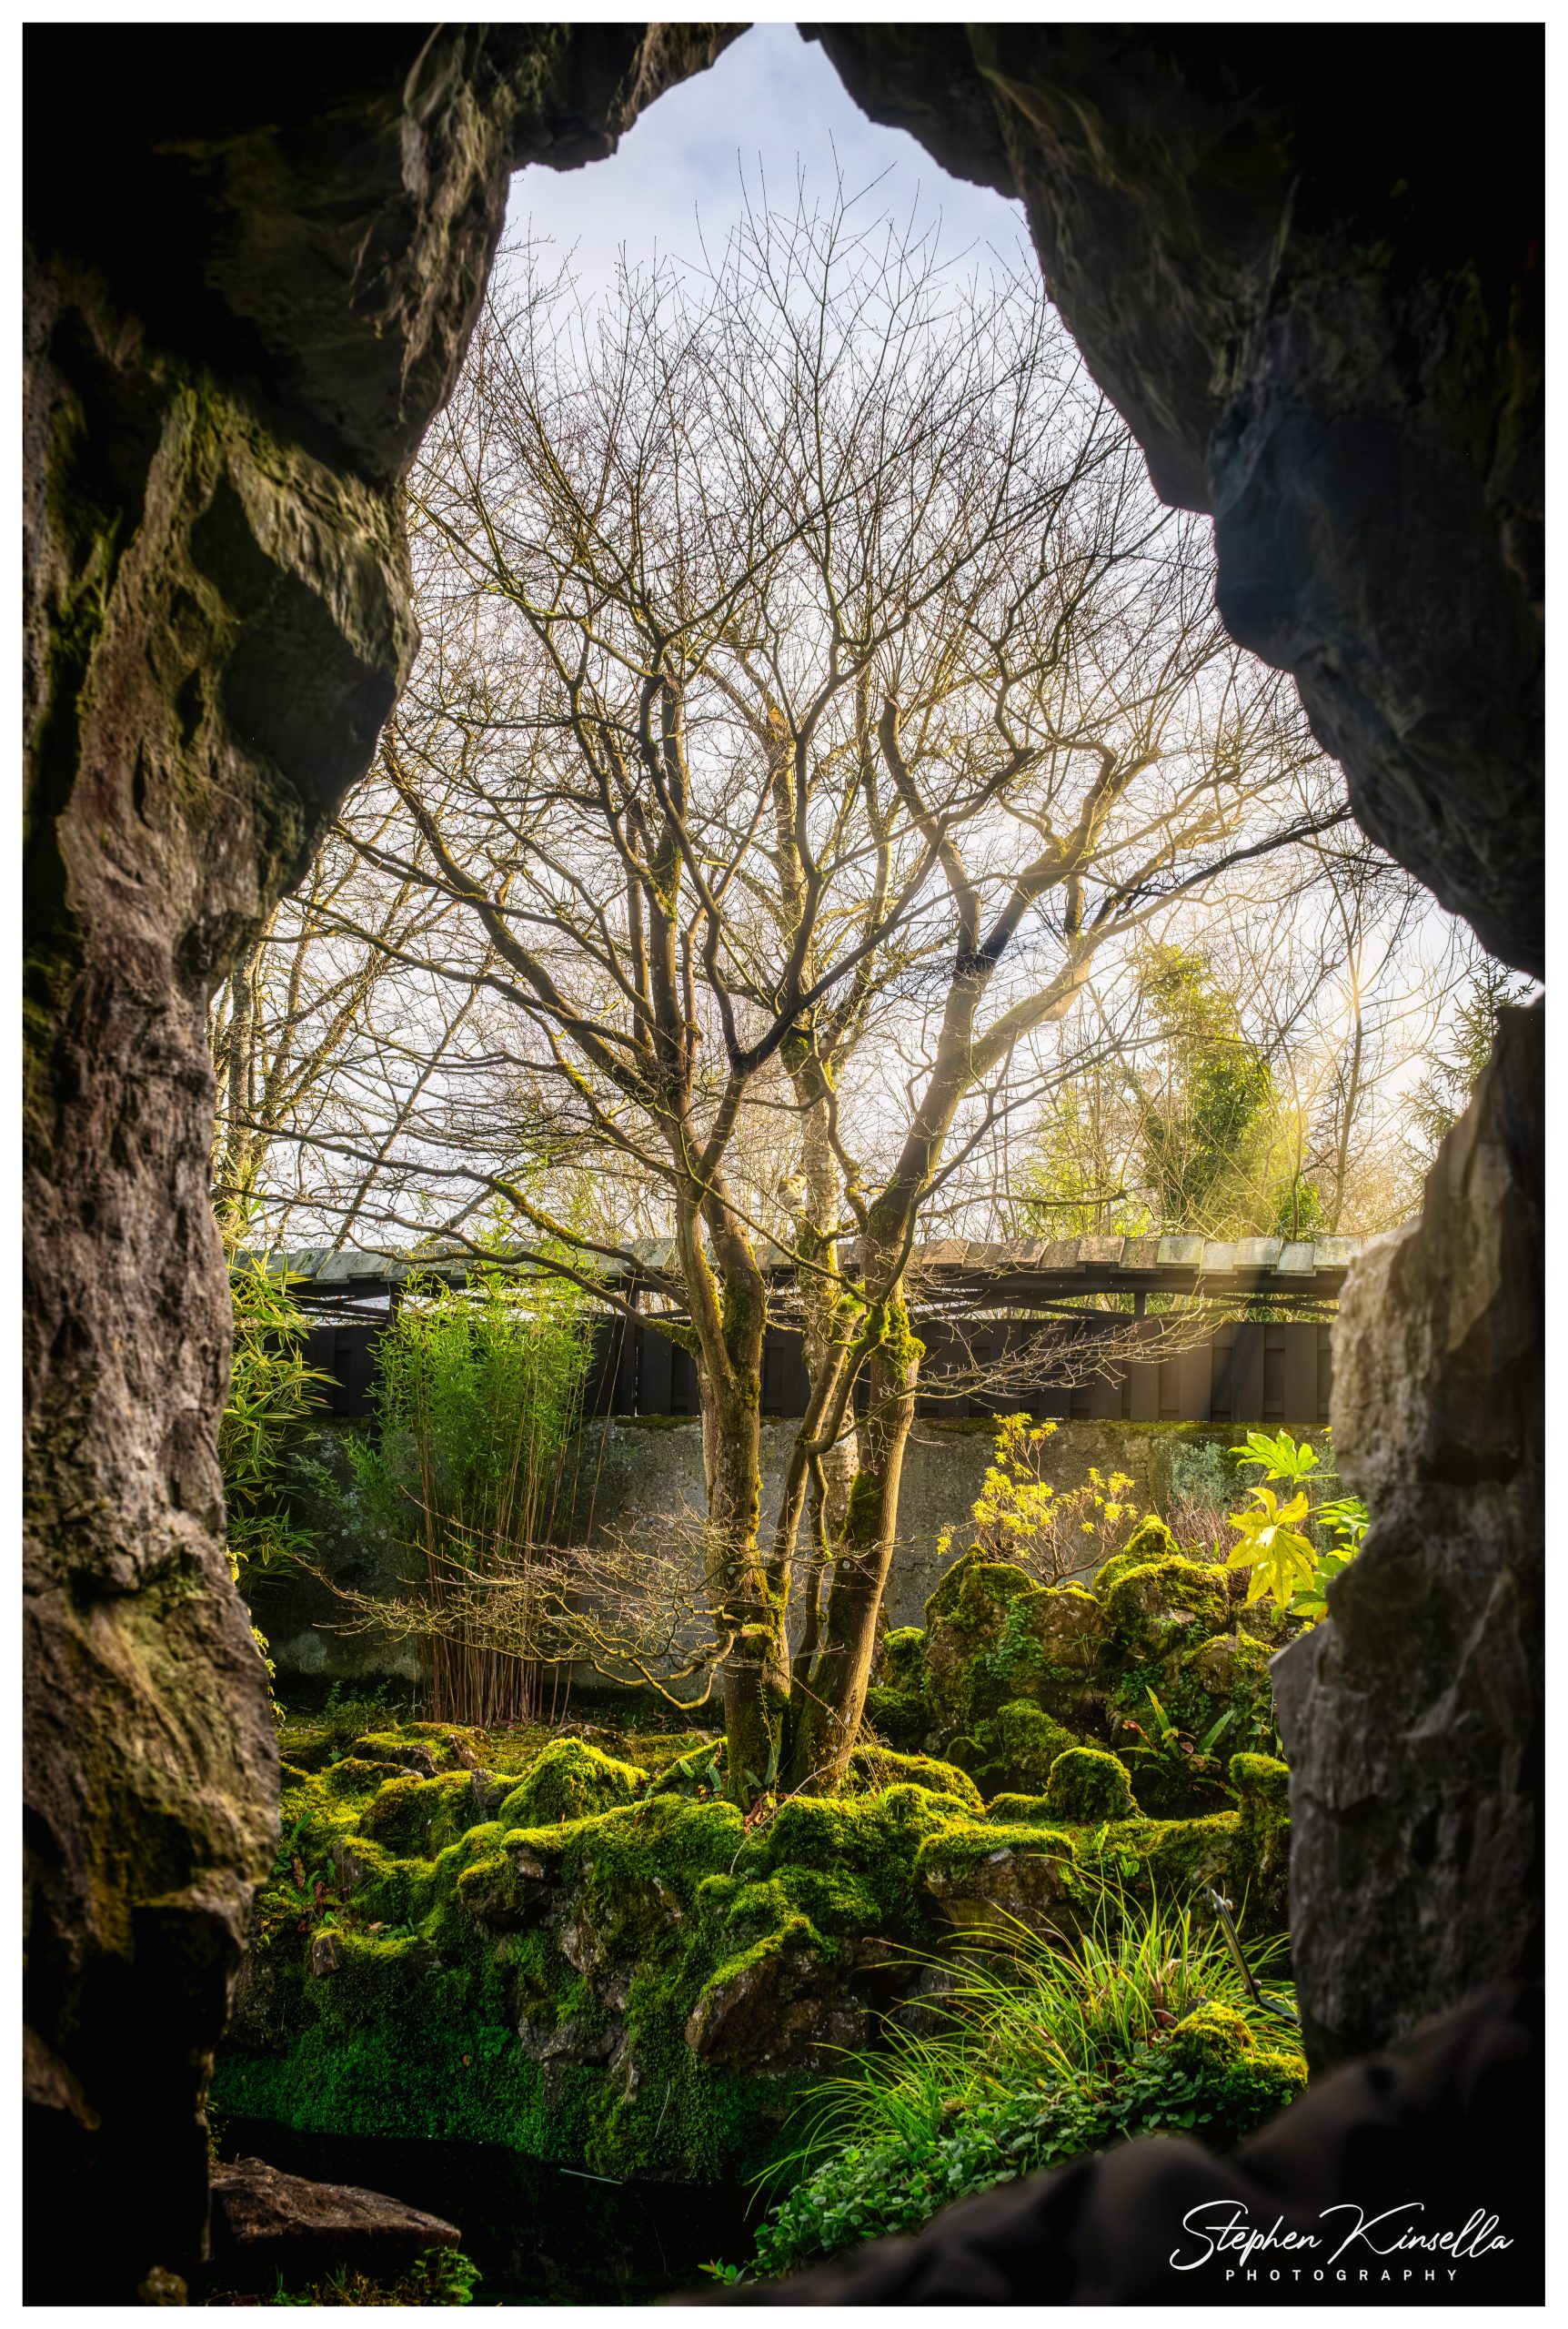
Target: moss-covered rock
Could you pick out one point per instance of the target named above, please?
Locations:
(993, 1636)
(875, 1768)
(903, 1656)
(640, 1988)
(1166, 1605)
(1210, 2035)
(1013, 1750)
(1150, 1541)
(1085, 1784)
(900, 1717)
(1262, 1857)
(571, 1780)
(1244, 2084)
(1016, 1810)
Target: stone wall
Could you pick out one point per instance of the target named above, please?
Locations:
(633, 1475)
(1414, 1721)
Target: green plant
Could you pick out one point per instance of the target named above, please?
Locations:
(297, 1898)
(1286, 1563)
(1051, 2046)
(440, 2276)
(1165, 1738)
(1020, 1517)
(478, 1394)
(272, 1392)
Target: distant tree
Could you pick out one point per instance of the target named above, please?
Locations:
(1215, 1142)
(1188, 1131)
(1455, 1061)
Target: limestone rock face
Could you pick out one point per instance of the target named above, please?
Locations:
(230, 359)
(1412, 1718)
(1310, 278)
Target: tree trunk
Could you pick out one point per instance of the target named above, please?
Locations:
(830, 1716)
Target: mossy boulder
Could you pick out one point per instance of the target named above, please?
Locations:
(1088, 1785)
(903, 1656)
(1165, 1606)
(1013, 1750)
(1210, 2037)
(571, 1780)
(969, 1638)
(901, 1717)
(978, 1875)
(415, 1817)
(1231, 1669)
(896, 1704)
(1244, 2084)
(993, 1635)
(1150, 1541)
(1016, 1810)
(1262, 1859)
(873, 1769)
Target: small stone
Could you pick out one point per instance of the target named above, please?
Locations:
(325, 1953)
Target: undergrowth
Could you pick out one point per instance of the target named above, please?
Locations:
(1046, 2048)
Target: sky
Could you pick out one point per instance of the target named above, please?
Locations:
(771, 104)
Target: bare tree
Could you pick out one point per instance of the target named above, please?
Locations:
(812, 695)
(320, 1035)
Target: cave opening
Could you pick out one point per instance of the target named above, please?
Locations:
(230, 366)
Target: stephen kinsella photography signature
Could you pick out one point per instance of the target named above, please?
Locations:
(1222, 2229)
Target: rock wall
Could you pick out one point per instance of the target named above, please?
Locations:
(251, 272)
(1413, 1721)
(1306, 265)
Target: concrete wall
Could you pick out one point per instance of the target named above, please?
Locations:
(634, 1474)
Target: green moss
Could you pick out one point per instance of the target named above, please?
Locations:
(970, 1596)
(1262, 1781)
(412, 1742)
(1166, 1604)
(1244, 2084)
(1012, 1751)
(900, 1717)
(571, 1780)
(1150, 1541)
(1209, 2038)
(1086, 1784)
(605, 1988)
(903, 1655)
(1261, 1863)
(420, 1816)
(872, 1769)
